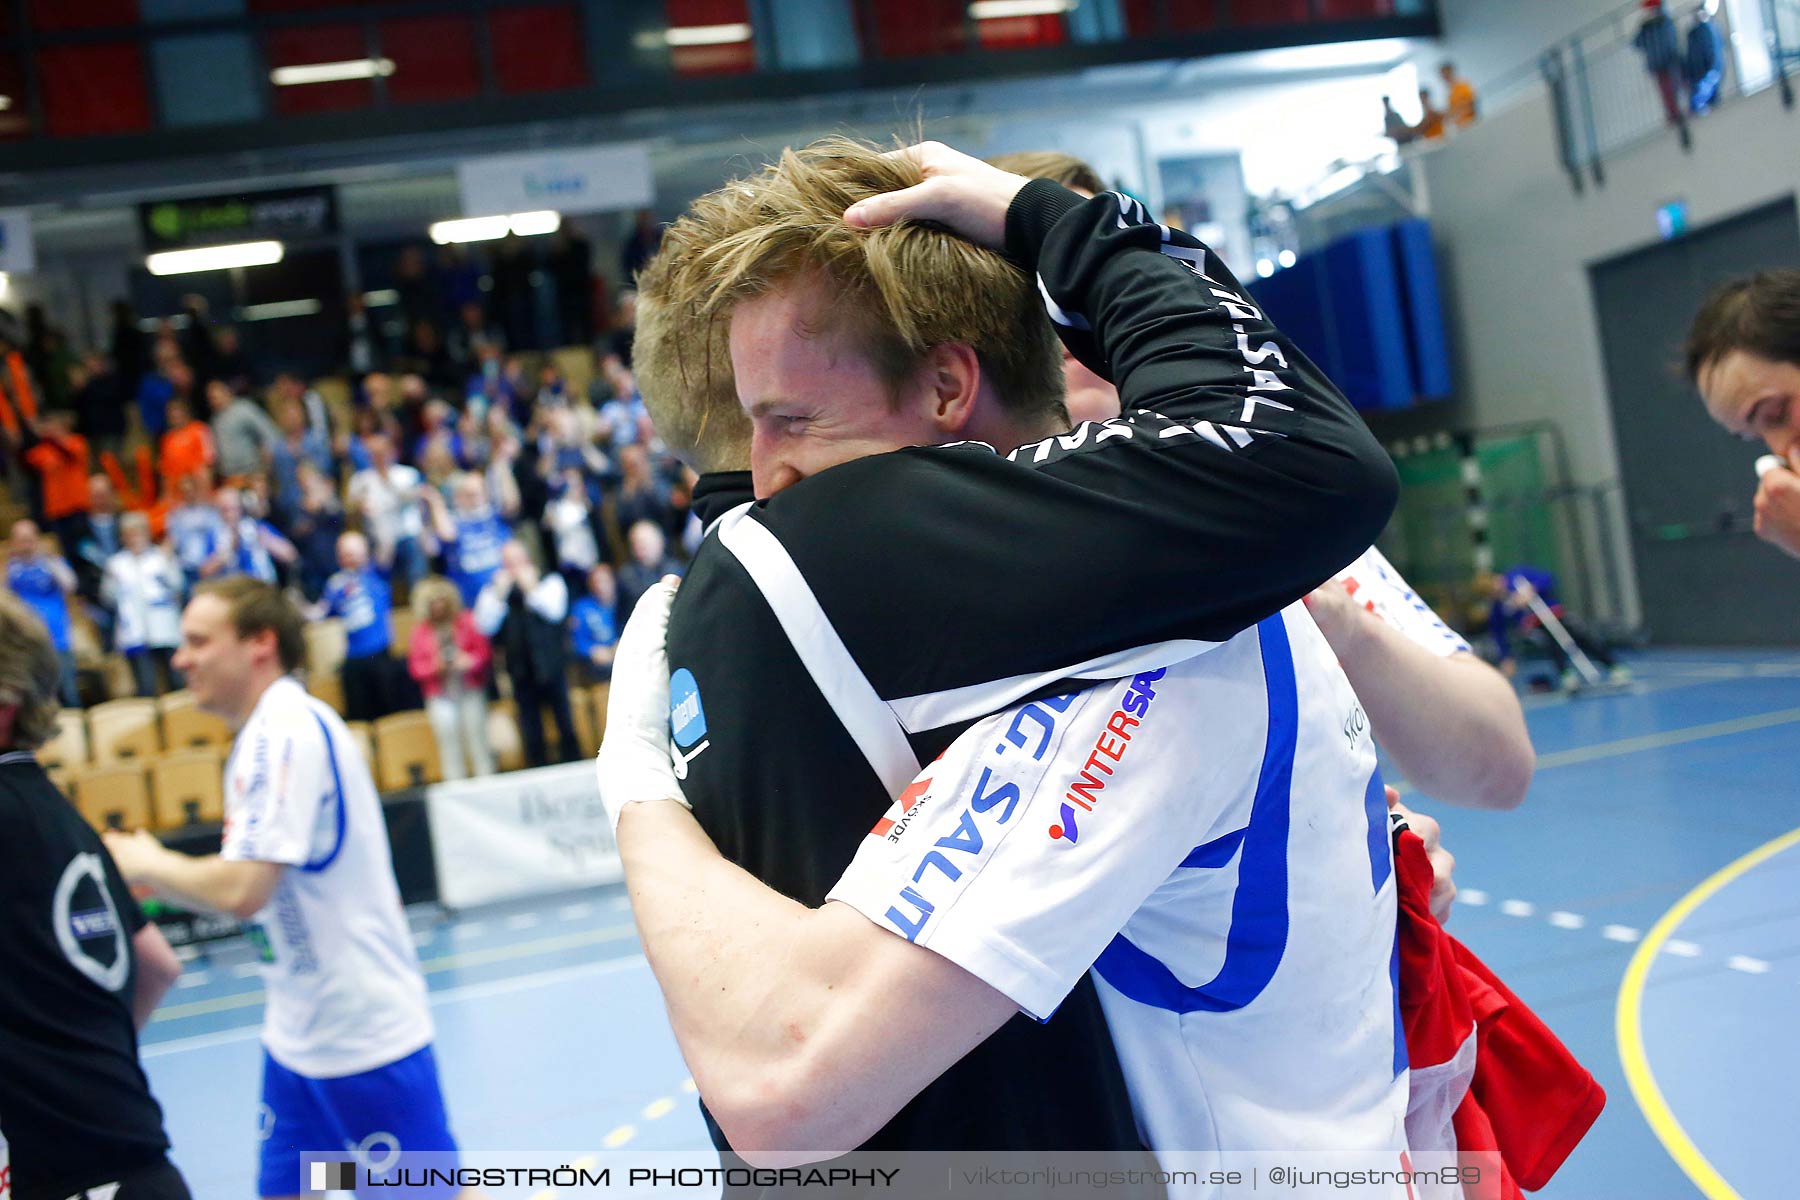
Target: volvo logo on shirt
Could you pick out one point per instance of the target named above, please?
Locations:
(687, 719)
(87, 924)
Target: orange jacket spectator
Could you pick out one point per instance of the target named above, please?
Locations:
(61, 460)
(17, 400)
(187, 450)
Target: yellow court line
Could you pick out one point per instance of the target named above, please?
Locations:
(1630, 1032)
(446, 962)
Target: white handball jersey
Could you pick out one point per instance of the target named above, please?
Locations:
(1212, 840)
(1373, 583)
(344, 990)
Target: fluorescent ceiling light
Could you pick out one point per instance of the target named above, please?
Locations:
(214, 258)
(331, 72)
(486, 229)
(5, 284)
(992, 10)
(276, 309)
(5, 103)
(1286, 258)
(383, 297)
(706, 35)
(526, 224)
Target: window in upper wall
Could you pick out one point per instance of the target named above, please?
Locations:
(314, 45)
(710, 37)
(207, 79)
(93, 89)
(433, 57)
(537, 48)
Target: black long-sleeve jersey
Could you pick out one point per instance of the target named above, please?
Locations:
(830, 639)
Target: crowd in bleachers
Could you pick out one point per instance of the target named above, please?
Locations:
(466, 526)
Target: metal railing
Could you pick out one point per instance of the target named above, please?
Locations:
(1628, 78)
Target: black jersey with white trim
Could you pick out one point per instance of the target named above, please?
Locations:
(75, 1105)
(1236, 481)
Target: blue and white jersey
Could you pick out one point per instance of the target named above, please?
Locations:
(196, 530)
(475, 553)
(363, 601)
(145, 590)
(249, 556)
(593, 624)
(39, 583)
(1373, 583)
(341, 974)
(1211, 839)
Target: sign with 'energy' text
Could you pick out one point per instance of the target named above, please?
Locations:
(288, 214)
(585, 179)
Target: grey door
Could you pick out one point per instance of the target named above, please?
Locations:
(1704, 578)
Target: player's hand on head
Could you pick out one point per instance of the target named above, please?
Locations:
(634, 763)
(962, 193)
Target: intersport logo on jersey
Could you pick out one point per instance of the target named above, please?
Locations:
(1083, 793)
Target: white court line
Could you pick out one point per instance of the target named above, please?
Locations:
(574, 912)
(449, 995)
(193, 978)
(524, 920)
(249, 970)
(469, 929)
(1669, 737)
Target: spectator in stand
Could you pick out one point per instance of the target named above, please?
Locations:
(412, 280)
(650, 561)
(523, 611)
(359, 597)
(1393, 125)
(388, 496)
(619, 415)
(45, 582)
(595, 622)
(103, 538)
(450, 659)
(438, 466)
(1460, 106)
(243, 435)
(195, 529)
(198, 348)
(571, 263)
(1703, 64)
(187, 448)
(459, 281)
(437, 423)
(624, 328)
(640, 247)
(59, 455)
(642, 495)
(1660, 43)
(569, 517)
(251, 545)
(428, 357)
(472, 334)
(314, 528)
(1431, 123)
(362, 341)
(289, 387)
(514, 264)
(126, 345)
(299, 443)
(471, 536)
(230, 364)
(144, 586)
(99, 398)
(157, 387)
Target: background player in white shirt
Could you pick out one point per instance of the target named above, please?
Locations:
(305, 863)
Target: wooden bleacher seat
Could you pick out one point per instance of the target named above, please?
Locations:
(188, 728)
(597, 696)
(188, 787)
(406, 753)
(400, 627)
(364, 737)
(123, 729)
(170, 701)
(329, 688)
(581, 707)
(69, 748)
(324, 646)
(503, 735)
(576, 363)
(114, 796)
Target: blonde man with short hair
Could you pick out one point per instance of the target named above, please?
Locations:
(930, 551)
(305, 864)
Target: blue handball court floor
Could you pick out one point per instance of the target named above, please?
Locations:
(1645, 902)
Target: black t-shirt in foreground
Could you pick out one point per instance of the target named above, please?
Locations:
(75, 1107)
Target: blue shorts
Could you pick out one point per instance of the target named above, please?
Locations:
(375, 1116)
